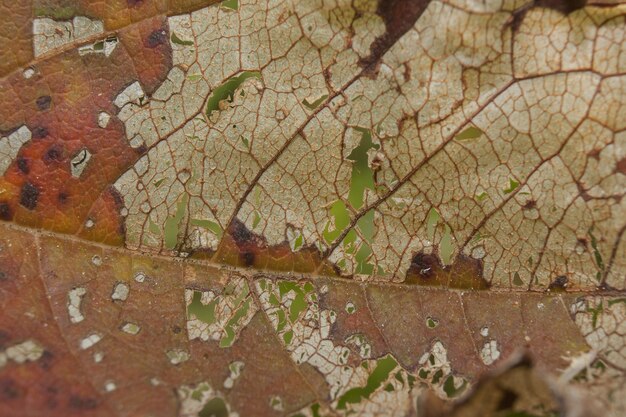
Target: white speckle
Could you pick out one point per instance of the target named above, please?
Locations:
(96, 260)
(25, 351)
(484, 332)
(105, 47)
(131, 328)
(140, 277)
(120, 292)
(98, 356)
(74, 298)
(155, 381)
(490, 353)
(89, 224)
(235, 371)
(478, 252)
(324, 289)
(131, 94)
(89, 341)
(276, 403)
(28, 73)
(177, 356)
(110, 386)
(103, 119)
(79, 162)
(541, 306)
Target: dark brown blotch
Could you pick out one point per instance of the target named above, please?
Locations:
(399, 16)
(22, 165)
(563, 6)
(9, 389)
(82, 403)
(560, 283)
(44, 102)
(39, 132)
(5, 211)
(29, 195)
(53, 154)
(156, 38)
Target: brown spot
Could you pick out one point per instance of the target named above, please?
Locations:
(63, 197)
(5, 211)
(3, 276)
(9, 390)
(134, 3)
(46, 360)
(464, 273)
(156, 38)
(243, 247)
(620, 167)
(399, 16)
(176, 329)
(530, 204)
(595, 154)
(563, 6)
(29, 196)
(4, 337)
(559, 284)
(82, 403)
(43, 102)
(583, 192)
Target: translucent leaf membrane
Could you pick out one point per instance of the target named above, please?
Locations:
(312, 208)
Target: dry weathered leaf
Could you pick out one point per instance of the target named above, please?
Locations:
(312, 208)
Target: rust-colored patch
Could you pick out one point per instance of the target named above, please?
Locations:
(464, 273)
(241, 247)
(399, 16)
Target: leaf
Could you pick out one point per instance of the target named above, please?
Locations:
(372, 208)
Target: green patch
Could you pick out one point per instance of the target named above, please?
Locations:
(172, 223)
(384, 366)
(288, 336)
(158, 183)
(299, 241)
(597, 256)
(446, 246)
(469, 133)
(449, 388)
(481, 196)
(203, 312)
(214, 408)
(256, 220)
(178, 41)
(230, 4)
(362, 175)
(512, 186)
(240, 313)
(341, 217)
(315, 104)
(226, 91)
(245, 141)
(55, 12)
(432, 219)
(517, 280)
(595, 313)
(209, 225)
(431, 323)
(195, 77)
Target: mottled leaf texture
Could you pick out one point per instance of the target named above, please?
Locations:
(312, 208)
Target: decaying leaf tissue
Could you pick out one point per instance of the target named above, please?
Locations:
(312, 208)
